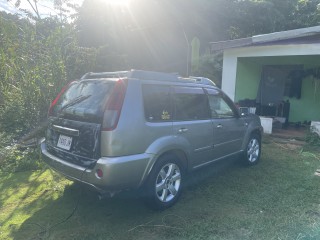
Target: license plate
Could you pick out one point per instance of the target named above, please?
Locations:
(64, 142)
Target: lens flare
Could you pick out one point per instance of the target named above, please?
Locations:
(118, 2)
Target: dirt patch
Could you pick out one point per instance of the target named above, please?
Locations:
(289, 146)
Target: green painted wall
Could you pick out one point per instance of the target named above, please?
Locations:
(306, 108)
(248, 78)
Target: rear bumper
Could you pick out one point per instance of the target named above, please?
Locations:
(118, 172)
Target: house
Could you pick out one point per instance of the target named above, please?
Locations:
(278, 73)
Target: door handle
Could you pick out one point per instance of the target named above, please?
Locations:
(182, 130)
(219, 126)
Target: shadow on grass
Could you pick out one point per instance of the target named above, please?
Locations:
(277, 199)
(11, 185)
(112, 218)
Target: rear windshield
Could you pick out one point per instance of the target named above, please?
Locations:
(84, 100)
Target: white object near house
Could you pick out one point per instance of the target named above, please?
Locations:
(266, 123)
(315, 127)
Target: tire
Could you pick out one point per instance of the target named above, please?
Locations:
(251, 155)
(164, 184)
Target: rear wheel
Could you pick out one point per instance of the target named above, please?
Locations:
(252, 152)
(164, 184)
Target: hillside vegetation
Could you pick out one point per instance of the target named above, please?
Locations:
(39, 55)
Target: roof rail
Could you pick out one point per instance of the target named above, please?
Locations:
(140, 74)
(203, 80)
(105, 74)
(149, 75)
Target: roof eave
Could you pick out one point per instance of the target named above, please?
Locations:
(221, 45)
(265, 38)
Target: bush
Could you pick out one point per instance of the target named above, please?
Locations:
(13, 159)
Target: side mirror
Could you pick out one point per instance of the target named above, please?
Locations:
(244, 111)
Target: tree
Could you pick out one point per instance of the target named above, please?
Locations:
(306, 14)
(36, 60)
(34, 13)
(259, 17)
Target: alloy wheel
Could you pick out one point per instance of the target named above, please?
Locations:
(253, 150)
(168, 182)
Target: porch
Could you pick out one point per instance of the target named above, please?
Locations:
(276, 74)
(289, 139)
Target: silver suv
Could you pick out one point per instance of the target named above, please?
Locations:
(140, 129)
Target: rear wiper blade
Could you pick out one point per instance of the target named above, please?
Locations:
(75, 101)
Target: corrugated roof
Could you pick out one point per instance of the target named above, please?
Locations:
(268, 39)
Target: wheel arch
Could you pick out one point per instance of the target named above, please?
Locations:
(255, 131)
(149, 187)
(179, 153)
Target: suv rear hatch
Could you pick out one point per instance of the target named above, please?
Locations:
(75, 120)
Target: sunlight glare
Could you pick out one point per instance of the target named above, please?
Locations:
(124, 3)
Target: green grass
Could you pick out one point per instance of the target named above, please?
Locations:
(277, 199)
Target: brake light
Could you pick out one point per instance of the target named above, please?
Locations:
(54, 102)
(99, 173)
(114, 105)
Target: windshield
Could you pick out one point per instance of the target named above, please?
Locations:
(84, 100)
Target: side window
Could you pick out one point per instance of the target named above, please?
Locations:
(157, 103)
(218, 105)
(190, 104)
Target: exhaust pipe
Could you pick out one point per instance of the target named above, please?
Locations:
(105, 195)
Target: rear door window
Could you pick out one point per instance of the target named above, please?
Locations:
(157, 103)
(190, 104)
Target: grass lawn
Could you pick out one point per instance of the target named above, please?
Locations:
(277, 199)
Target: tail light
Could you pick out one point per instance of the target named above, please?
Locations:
(54, 102)
(114, 106)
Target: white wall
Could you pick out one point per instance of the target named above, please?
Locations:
(230, 57)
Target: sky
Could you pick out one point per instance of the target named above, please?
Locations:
(45, 6)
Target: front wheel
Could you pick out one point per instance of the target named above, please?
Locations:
(252, 152)
(164, 184)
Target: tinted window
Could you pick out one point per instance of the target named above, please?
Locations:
(190, 104)
(84, 100)
(157, 103)
(218, 105)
